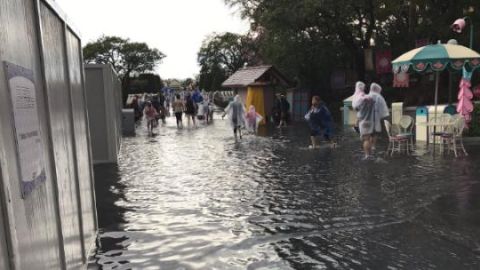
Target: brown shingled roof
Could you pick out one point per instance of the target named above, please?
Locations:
(249, 75)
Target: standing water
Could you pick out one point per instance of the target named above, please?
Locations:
(196, 199)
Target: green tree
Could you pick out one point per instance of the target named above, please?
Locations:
(309, 38)
(145, 83)
(126, 57)
(223, 54)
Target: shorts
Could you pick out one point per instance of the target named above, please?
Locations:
(178, 115)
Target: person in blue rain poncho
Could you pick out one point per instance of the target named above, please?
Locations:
(320, 121)
(197, 96)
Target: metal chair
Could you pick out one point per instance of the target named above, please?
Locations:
(395, 142)
(454, 139)
(443, 120)
(406, 125)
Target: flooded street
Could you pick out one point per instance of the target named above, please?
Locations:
(196, 199)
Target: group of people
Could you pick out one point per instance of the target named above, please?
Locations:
(240, 118)
(371, 110)
(192, 104)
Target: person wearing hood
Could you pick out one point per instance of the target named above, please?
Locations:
(252, 119)
(236, 115)
(358, 101)
(320, 122)
(371, 113)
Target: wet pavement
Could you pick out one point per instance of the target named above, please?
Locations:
(196, 199)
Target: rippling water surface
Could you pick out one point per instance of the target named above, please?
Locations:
(196, 199)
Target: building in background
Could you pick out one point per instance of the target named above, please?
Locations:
(257, 86)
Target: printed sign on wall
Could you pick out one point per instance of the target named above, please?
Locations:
(29, 142)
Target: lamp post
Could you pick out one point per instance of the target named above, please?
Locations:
(460, 24)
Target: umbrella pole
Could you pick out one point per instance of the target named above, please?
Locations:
(437, 82)
(450, 84)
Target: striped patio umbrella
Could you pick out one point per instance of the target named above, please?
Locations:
(437, 57)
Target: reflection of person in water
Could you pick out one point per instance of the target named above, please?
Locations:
(236, 115)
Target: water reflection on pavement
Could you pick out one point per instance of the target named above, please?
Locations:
(196, 199)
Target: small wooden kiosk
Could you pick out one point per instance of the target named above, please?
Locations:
(257, 86)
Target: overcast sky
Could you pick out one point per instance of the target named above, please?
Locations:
(175, 27)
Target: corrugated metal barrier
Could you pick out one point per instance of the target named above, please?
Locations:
(47, 214)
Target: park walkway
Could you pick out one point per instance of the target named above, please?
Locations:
(195, 199)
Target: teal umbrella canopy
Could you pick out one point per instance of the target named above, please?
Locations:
(437, 57)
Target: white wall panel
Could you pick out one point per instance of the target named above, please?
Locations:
(45, 229)
(61, 128)
(80, 124)
(32, 222)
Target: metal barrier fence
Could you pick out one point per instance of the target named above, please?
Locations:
(48, 217)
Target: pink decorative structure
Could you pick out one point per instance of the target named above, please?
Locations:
(465, 105)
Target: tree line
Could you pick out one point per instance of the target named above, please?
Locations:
(308, 39)
(131, 60)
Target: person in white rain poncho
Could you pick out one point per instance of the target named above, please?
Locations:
(371, 113)
(359, 95)
(359, 99)
(236, 115)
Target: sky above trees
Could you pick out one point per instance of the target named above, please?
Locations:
(175, 27)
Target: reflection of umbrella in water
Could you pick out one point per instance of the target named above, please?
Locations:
(437, 57)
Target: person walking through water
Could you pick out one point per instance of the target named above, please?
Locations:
(236, 115)
(372, 110)
(276, 110)
(178, 108)
(252, 119)
(150, 115)
(321, 123)
(190, 110)
(358, 101)
(284, 111)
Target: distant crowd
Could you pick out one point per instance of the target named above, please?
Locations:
(156, 107)
(194, 105)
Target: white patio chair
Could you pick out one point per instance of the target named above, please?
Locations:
(454, 139)
(445, 120)
(406, 125)
(395, 142)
